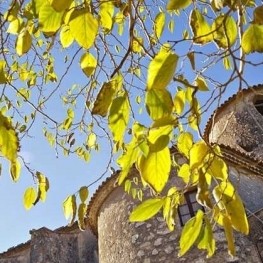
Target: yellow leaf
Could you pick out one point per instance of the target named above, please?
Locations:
(91, 140)
(81, 216)
(23, 42)
(88, 64)
(218, 168)
(49, 20)
(178, 4)
(161, 69)
(146, 210)
(159, 103)
(119, 117)
(15, 26)
(83, 193)
(105, 96)
(66, 37)
(137, 44)
(197, 154)
(184, 173)
(60, 5)
(106, 14)
(201, 84)
(179, 101)
(70, 207)
(159, 23)
(191, 232)
(155, 168)
(3, 78)
(127, 159)
(206, 240)
(229, 236)
(185, 143)
(29, 197)
(227, 198)
(201, 29)
(8, 139)
(258, 15)
(224, 31)
(15, 168)
(252, 39)
(43, 186)
(84, 27)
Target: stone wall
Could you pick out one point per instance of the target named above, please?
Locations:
(151, 241)
(48, 246)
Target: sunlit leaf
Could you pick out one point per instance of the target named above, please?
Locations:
(49, 20)
(197, 154)
(201, 84)
(137, 44)
(81, 216)
(200, 27)
(15, 26)
(3, 78)
(185, 173)
(119, 117)
(60, 5)
(228, 198)
(29, 197)
(179, 101)
(106, 14)
(155, 168)
(88, 64)
(43, 186)
(252, 39)
(15, 169)
(185, 143)
(91, 140)
(70, 207)
(66, 37)
(83, 193)
(191, 232)
(229, 236)
(159, 103)
(84, 27)
(224, 31)
(161, 69)
(159, 23)
(23, 42)
(146, 210)
(178, 4)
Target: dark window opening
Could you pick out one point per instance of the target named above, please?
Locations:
(259, 106)
(189, 208)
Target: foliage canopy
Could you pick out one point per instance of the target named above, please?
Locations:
(150, 69)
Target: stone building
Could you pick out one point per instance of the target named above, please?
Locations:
(237, 126)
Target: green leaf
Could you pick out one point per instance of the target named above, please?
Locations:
(70, 207)
(83, 194)
(3, 78)
(252, 39)
(201, 29)
(185, 143)
(106, 14)
(49, 20)
(159, 103)
(119, 117)
(66, 37)
(15, 169)
(206, 240)
(178, 4)
(146, 210)
(81, 216)
(191, 232)
(84, 27)
(159, 23)
(29, 197)
(161, 69)
(227, 198)
(88, 64)
(23, 42)
(224, 31)
(155, 168)
(197, 154)
(60, 5)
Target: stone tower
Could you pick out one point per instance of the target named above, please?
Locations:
(237, 127)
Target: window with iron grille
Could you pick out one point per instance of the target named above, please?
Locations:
(189, 208)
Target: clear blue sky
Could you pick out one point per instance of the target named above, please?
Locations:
(66, 174)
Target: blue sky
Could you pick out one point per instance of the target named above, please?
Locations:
(68, 174)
